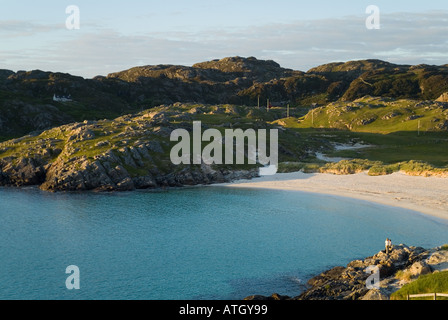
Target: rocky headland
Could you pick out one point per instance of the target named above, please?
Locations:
(402, 265)
(127, 153)
(113, 131)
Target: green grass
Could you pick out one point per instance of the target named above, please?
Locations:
(430, 283)
(286, 167)
(376, 115)
(388, 148)
(82, 111)
(388, 128)
(349, 166)
(5, 138)
(373, 168)
(380, 170)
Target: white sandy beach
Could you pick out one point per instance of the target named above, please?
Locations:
(428, 195)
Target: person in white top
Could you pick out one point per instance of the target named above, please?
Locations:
(388, 245)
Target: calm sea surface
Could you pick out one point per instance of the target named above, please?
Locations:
(210, 243)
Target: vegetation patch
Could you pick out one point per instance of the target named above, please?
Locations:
(349, 166)
(287, 167)
(429, 283)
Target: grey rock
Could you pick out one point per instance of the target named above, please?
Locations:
(350, 282)
(419, 268)
(375, 294)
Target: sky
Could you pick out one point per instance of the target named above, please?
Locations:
(117, 35)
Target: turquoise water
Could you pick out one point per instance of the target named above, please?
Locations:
(203, 243)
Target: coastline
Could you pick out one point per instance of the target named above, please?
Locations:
(426, 195)
(402, 265)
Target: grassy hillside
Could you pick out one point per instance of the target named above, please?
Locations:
(411, 134)
(234, 80)
(378, 115)
(389, 111)
(430, 283)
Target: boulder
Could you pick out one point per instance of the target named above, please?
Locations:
(375, 294)
(419, 268)
(443, 97)
(438, 260)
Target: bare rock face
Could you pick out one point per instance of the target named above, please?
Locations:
(114, 170)
(443, 97)
(419, 268)
(438, 260)
(21, 172)
(375, 294)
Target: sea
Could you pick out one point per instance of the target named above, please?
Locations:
(201, 243)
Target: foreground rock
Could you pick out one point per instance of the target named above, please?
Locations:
(350, 282)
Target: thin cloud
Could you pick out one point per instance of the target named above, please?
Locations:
(403, 38)
(19, 28)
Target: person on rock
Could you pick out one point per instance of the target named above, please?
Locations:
(388, 244)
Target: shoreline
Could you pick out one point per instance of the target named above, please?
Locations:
(350, 282)
(426, 195)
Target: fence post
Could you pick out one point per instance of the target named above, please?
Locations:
(435, 296)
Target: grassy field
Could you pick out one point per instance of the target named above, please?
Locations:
(393, 131)
(430, 283)
(390, 148)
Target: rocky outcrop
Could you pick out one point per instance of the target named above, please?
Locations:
(108, 173)
(352, 282)
(22, 172)
(127, 153)
(443, 97)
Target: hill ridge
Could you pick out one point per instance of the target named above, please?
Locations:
(233, 80)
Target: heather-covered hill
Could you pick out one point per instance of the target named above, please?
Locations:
(26, 97)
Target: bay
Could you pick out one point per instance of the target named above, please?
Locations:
(206, 243)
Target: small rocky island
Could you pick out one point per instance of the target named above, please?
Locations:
(401, 266)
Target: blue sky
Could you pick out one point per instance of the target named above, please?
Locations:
(116, 35)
